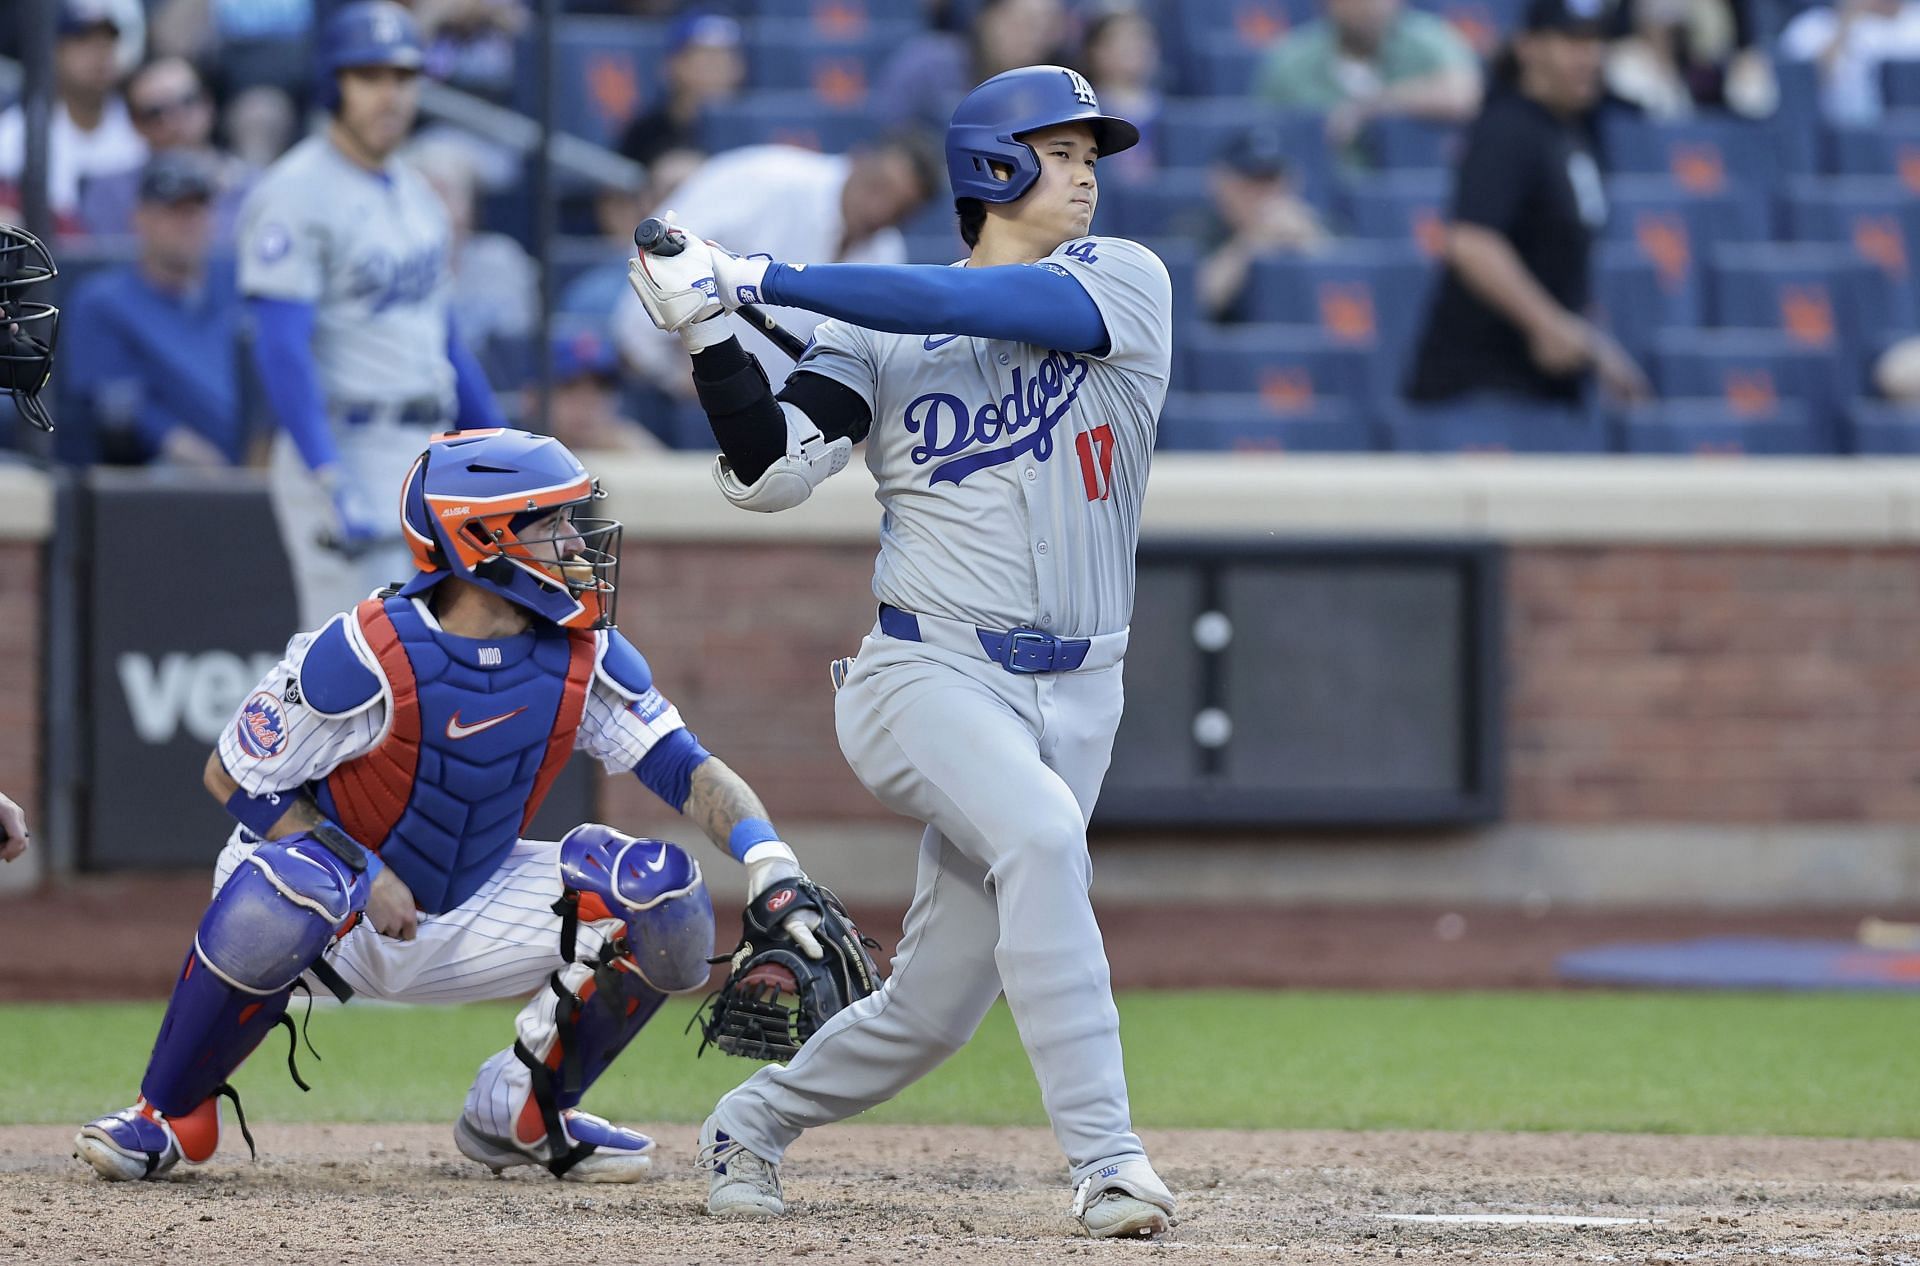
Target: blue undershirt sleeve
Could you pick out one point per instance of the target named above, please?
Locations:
(667, 768)
(474, 404)
(1023, 303)
(283, 354)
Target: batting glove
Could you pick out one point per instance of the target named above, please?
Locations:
(737, 279)
(676, 290)
(768, 863)
(355, 528)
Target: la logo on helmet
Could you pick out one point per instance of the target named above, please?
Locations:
(1082, 90)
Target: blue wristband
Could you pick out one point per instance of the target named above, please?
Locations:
(746, 834)
(260, 814)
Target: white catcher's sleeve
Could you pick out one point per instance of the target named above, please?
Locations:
(278, 741)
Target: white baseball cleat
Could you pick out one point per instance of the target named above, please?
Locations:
(743, 1185)
(1124, 1201)
(618, 1155)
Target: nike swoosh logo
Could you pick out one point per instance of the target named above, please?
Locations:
(942, 340)
(455, 730)
(295, 851)
(659, 859)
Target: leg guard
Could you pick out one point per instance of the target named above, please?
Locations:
(647, 903)
(277, 911)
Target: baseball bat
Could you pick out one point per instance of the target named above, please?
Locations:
(654, 236)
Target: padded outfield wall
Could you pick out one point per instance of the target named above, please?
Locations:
(1711, 672)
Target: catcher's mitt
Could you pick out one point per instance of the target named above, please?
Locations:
(775, 997)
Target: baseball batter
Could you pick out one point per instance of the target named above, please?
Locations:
(343, 257)
(382, 775)
(1009, 408)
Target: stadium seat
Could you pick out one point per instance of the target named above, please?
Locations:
(605, 71)
(1401, 206)
(1636, 299)
(1821, 296)
(1241, 423)
(1713, 218)
(1494, 424)
(1175, 202)
(1703, 156)
(1223, 65)
(1482, 23)
(1877, 219)
(1900, 84)
(1188, 30)
(1193, 134)
(830, 19)
(1751, 373)
(1363, 294)
(1710, 428)
(786, 118)
(1883, 428)
(1887, 147)
(1287, 368)
(836, 70)
(1400, 144)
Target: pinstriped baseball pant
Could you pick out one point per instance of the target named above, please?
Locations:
(1004, 770)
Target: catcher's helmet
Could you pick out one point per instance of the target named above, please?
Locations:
(366, 33)
(28, 329)
(1012, 103)
(466, 508)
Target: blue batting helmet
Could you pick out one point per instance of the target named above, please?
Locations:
(1012, 103)
(366, 33)
(469, 509)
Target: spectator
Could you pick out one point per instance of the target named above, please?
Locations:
(585, 402)
(705, 65)
(243, 43)
(1369, 59)
(1528, 201)
(1120, 57)
(148, 367)
(596, 292)
(1255, 212)
(925, 80)
(496, 285)
(259, 123)
(89, 131)
(795, 204)
(172, 111)
(1679, 56)
(1848, 45)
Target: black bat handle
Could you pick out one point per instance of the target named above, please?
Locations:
(654, 236)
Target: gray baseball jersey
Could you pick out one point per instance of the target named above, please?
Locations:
(369, 252)
(1012, 478)
(1012, 475)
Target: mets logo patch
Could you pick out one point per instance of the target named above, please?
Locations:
(262, 728)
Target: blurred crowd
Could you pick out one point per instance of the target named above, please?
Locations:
(1475, 170)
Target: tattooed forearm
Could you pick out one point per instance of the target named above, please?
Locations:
(302, 813)
(719, 800)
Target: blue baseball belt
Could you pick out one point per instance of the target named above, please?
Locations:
(1024, 650)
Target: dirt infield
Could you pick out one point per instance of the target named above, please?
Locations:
(1164, 947)
(881, 1195)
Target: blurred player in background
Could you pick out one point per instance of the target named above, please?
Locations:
(344, 261)
(382, 775)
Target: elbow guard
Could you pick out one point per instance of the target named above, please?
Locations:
(809, 459)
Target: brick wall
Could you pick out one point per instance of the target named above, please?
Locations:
(1714, 685)
(21, 611)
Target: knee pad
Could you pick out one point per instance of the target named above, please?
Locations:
(276, 912)
(651, 886)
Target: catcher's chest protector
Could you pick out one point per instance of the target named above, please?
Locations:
(480, 729)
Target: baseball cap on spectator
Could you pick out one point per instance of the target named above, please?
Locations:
(1258, 153)
(1593, 18)
(583, 353)
(78, 17)
(698, 28)
(176, 176)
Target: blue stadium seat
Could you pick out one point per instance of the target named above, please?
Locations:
(836, 70)
(1890, 146)
(1751, 372)
(1402, 206)
(1877, 219)
(1821, 296)
(1223, 65)
(1193, 133)
(787, 118)
(1401, 144)
(605, 71)
(1883, 428)
(1482, 23)
(1710, 428)
(1241, 423)
(1174, 202)
(1704, 156)
(1712, 218)
(1900, 84)
(832, 19)
(1288, 368)
(1636, 300)
(1369, 295)
(1493, 424)
(1189, 29)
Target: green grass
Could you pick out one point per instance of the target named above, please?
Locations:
(1682, 1063)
